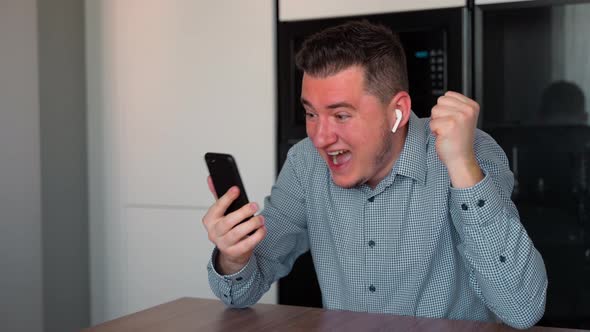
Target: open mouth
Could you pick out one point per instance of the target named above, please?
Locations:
(340, 157)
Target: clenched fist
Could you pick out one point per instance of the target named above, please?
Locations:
(453, 122)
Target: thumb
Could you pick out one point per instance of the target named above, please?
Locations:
(211, 186)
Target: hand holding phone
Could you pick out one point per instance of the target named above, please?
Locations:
(230, 234)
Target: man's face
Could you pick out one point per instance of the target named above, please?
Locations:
(349, 127)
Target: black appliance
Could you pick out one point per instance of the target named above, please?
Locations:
(434, 45)
(532, 68)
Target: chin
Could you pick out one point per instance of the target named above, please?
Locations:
(346, 183)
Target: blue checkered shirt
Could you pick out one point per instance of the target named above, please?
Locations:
(414, 245)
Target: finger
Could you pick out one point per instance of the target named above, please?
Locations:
(223, 202)
(211, 186)
(217, 209)
(219, 225)
(248, 243)
(460, 112)
(240, 231)
(441, 126)
(235, 218)
(454, 103)
(443, 111)
(462, 98)
(209, 219)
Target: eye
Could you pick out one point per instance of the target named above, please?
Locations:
(309, 115)
(342, 116)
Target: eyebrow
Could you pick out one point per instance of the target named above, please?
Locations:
(341, 104)
(306, 103)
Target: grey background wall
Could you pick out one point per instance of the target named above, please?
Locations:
(20, 189)
(62, 106)
(43, 211)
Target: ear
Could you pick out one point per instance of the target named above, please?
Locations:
(400, 104)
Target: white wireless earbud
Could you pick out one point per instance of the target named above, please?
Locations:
(398, 119)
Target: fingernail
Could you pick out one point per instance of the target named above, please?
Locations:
(234, 190)
(262, 219)
(254, 206)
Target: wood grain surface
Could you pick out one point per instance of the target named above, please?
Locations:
(192, 314)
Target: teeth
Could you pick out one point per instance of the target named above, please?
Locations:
(335, 153)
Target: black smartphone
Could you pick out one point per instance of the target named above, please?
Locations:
(224, 173)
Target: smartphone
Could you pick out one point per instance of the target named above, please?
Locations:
(224, 173)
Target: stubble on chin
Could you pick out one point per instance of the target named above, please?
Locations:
(384, 153)
(385, 149)
(377, 163)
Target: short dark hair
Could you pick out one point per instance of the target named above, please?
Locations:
(373, 47)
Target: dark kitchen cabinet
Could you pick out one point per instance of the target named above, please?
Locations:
(533, 83)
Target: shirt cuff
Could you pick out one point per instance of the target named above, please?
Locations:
(476, 205)
(223, 285)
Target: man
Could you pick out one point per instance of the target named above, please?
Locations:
(402, 215)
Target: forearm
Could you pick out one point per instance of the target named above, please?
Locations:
(507, 271)
(272, 259)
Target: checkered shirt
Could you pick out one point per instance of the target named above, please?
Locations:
(413, 246)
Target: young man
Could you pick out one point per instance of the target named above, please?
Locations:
(402, 215)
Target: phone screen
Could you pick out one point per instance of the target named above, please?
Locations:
(224, 173)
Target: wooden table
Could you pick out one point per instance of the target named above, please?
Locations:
(191, 314)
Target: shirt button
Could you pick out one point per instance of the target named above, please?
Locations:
(464, 207)
(371, 243)
(371, 199)
(372, 289)
(502, 259)
(481, 203)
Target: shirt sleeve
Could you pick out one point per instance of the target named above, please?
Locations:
(506, 270)
(273, 258)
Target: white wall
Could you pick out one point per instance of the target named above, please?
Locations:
(167, 82)
(293, 10)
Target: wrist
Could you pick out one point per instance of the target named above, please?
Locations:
(465, 173)
(224, 266)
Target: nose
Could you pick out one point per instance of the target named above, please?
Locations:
(321, 133)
